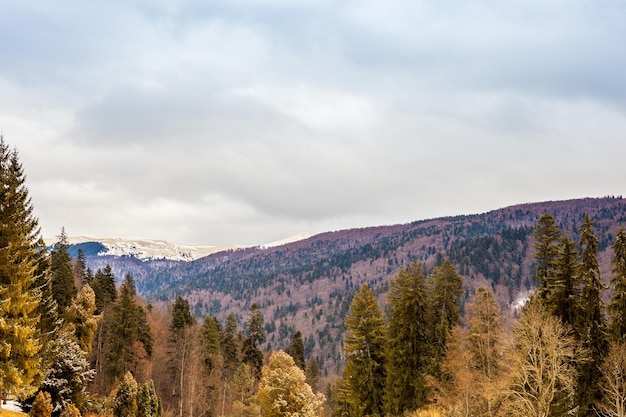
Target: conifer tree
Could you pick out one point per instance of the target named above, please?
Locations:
(591, 325)
(617, 306)
(563, 300)
(81, 321)
(210, 343)
(408, 342)
(103, 285)
(241, 387)
(42, 406)
(547, 236)
(228, 345)
(125, 397)
(364, 345)
(296, 350)
(252, 355)
(130, 283)
(20, 363)
(148, 402)
(80, 269)
(180, 349)
(447, 289)
(312, 373)
(62, 273)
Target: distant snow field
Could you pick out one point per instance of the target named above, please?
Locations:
(161, 249)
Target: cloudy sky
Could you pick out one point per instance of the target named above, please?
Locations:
(224, 121)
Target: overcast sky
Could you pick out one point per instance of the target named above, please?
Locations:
(223, 121)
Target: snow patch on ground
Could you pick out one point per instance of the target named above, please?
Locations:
(520, 301)
(290, 239)
(11, 405)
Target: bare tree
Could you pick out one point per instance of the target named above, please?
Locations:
(614, 383)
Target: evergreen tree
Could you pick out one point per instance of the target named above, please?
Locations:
(364, 345)
(81, 321)
(129, 281)
(80, 269)
(547, 236)
(228, 344)
(283, 391)
(252, 355)
(148, 402)
(103, 285)
(210, 343)
(563, 301)
(296, 350)
(127, 330)
(125, 397)
(447, 289)
(42, 407)
(180, 349)
(20, 363)
(591, 326)
(241, 387)
(617, 306)
(62, 273)
(408, 342)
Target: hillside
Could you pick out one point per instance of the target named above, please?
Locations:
(309, 284)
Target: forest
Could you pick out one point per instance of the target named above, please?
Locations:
(74, 343)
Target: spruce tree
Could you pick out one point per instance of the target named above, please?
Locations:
(103, 285)
(364, 345)
(229, 347)
(591, 325)
(296, 350)
(547, 236)
(409, 345)
(252, 355)
(180, 345)
(617, 306)
(563, 300)
(210, 343)
(62, 273)
(81, 320)
(20, 363)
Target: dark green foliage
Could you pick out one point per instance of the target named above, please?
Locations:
(230, 349)
(409, 346)
(312, 373)
(62, 273)
(20, 261)
(364, 345)
(444, 314)
(563, 295)
(126, 324)
(617, 306)
(209, 342)
(252, 355)
(547, 236)
(181, 316)
(129, 281)
(296, 350)
(103, 285)
(590, 323)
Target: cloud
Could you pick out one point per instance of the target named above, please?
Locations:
(248, 121)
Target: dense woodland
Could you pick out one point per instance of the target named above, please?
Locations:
(74, 341)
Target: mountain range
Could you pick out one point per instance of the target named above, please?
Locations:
(307, 283)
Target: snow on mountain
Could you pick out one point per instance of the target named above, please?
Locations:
(146, 249)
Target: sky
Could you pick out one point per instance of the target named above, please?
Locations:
(245, 122)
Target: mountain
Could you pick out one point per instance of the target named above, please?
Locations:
(308, 284)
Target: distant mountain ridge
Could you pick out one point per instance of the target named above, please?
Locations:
(308, 284)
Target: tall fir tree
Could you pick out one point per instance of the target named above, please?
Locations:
(564, 297)
(103, 286)
(409, 347)
(62, 273)
(591, 325)
(180, 347)
(81, 320)
(20, 362)
(617, 306)
(252, 354)
(296, 350)
(547, 236)
(447, 289)
(229, 347)
(364, 345)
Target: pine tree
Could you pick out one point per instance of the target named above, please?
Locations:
(447, 289)
(228, 345)
(252, 355)
(62, 273)
(129, 281)
(125, 397)
(408, 342)
(148, 402)
(296, 350)
(20, 363)
(283, 391)
(547, 236)
(617, 306)
(210, 343)
(591, 325)
(103, 285)
(364, 345)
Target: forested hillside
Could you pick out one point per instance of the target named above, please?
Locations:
(308, 285)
